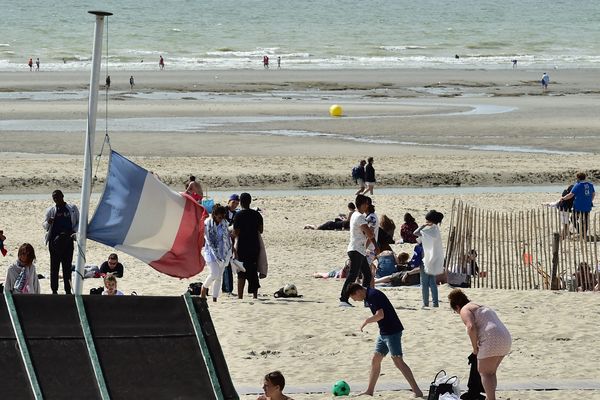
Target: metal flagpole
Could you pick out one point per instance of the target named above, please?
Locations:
(86, 184)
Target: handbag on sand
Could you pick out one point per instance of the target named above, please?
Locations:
(459, 279)
(442, 384)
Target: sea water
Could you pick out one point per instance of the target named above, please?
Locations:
(308, 34)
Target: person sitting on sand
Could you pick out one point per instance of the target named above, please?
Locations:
(273, 385)
(405, 275)
(407, 229)
(336, 273)
(21, 276)
(110, 286)
(112, 266)
(340, 223)
(2, 239)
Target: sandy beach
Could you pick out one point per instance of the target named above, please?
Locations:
(253, 130)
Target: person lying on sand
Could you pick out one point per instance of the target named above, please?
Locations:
(340, 223)
(336, 273)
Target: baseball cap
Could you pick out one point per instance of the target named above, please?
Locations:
(234, 197)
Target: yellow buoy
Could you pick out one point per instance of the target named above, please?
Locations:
(335, 110)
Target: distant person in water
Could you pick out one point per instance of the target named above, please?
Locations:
(108, 81)
(545, 80)
(514, 63)
(131, 82)
(456, 56)
(37, 64)
(161, 63)
(30, 63)
(266, 61)
(278, 62)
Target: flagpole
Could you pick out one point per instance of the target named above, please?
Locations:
(86, 184)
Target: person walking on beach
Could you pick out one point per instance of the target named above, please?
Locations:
(583, 193)
(161, 63)
(433, 256)
(514, 63)
(390, 335)
(278, 62)
(131, 82)
(490, 339)
(60, 224)
(30, 63)
(232, 204)
(107, 81)
(37, 64)
(266, 61)
(247, 228)
(217, 250)
(357, 248)
(545, 81)
(369, 176)
(358, 174)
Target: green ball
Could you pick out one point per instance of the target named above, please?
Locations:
(340, 388)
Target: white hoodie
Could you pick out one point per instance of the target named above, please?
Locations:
(32, 285)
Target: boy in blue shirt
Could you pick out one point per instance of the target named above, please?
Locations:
(584, 194)
(390, 335)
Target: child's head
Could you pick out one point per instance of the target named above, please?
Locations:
(403, 258)
(110, 283)
(351, 206)
(371, 209)
(274, 383)
(26, 254)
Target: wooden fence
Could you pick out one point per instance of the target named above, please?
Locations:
(542, 248)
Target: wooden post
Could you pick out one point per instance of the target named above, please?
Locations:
(555, 248)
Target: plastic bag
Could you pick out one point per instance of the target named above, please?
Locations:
(433, 250)
(449, 396)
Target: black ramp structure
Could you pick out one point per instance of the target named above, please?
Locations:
(14, 383)
(214, 348)
(57, 346)
(140, 347)
(148, 349)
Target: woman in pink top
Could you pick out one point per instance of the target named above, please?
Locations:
(490, 339)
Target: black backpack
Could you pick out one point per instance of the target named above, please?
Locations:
(195, 288)
(98, 290)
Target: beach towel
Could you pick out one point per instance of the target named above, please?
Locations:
(433, 250)
(263, 265)
(141, 216)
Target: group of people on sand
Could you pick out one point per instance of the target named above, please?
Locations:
(233, 244)
(60, 223)
(370, 262)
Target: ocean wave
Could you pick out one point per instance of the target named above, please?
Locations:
(4, 45)
(401, 48)
(488, 45)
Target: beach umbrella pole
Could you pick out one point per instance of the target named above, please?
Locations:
(86, 184)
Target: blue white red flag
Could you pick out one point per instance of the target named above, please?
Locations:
(141, 216)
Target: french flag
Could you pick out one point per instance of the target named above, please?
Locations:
(141, 216)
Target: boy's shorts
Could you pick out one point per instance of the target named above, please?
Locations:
(389, 344)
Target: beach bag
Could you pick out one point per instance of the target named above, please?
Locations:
(459, 279)
(355, 173)
(98, 290)
(443, 384)
(195, 288)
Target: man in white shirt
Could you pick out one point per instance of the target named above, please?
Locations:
(357, 248)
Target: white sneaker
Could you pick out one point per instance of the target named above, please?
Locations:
(345, 304)
(237, 266)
